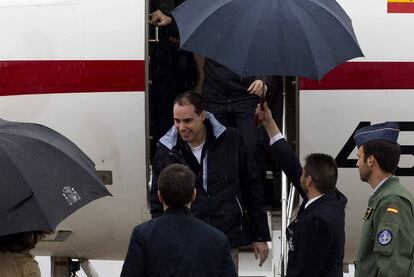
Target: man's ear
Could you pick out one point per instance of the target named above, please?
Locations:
(308, 181)
(370, 160)
(194, 195)
(160, 197)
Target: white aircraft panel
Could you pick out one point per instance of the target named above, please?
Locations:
(109, 128)
(78, 29)
(380, 34)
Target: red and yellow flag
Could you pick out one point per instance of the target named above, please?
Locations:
(400, 6)
(392, 210)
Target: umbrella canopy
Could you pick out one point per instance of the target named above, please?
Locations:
(44, 178)
(269, 37)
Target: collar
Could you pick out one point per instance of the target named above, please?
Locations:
(380, 184)
(171, 137)
(310, 201)
(177, 210)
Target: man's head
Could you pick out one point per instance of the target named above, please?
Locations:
(176, 186)
(378, 149)
(379, 154)
(21, 242)
(321, 172)
(189, 117)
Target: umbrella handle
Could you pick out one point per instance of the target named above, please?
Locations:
(256, 119)
(262, 101)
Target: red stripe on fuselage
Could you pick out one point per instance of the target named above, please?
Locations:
(365, 75)
(63, 76)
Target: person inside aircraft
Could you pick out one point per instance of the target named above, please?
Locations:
(172, 71)
(229, 196)
(15, 257)
(387, 240)
(176, 243)
(316, 237)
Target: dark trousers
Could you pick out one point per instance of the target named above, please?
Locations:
(240, 114)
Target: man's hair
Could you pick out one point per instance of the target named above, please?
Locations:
(176, 185)
(190, 98)
(323, 170)
(386, 153)
(20, 242)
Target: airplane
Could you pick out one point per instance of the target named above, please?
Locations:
(81, 67)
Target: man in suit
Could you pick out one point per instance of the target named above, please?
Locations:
(176, 243)
(316, 237)
(387, 240)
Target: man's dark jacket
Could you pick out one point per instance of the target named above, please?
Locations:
(177, 244)
(316, 237)
(234, 200)
(222, 84)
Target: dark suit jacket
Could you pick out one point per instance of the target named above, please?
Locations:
(180, 245)
(316, 237)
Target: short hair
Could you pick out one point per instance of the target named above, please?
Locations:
(192, 98)
(386, 153)
(20, 242)
(176, 185)
(323, 170)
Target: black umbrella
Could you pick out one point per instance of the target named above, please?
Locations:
(44, 178)
(269, 37)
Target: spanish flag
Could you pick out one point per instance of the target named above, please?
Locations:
(392, 210)
(400, 6)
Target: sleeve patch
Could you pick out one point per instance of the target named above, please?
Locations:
(392, 210)
(384, 237)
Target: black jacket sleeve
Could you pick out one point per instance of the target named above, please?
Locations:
(172, 28)
(228, 268)
(135, 263)
(253, 196)
(289, 162)
(162, 159)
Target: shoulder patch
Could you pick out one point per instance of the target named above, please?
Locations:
(384, 237)
(392, 210)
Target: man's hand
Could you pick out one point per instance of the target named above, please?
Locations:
(257, 88)
(265, 117)
(158, 18)
(260, 251)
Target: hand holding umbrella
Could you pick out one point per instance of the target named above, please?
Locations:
(259, 88)
(264, 115)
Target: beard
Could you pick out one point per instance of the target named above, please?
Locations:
(364, 176)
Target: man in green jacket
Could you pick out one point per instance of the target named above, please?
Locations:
(387, 240)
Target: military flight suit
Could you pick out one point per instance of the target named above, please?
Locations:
(387, 240)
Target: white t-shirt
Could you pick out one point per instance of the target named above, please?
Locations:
(197, 151)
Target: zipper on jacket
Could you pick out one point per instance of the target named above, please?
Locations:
(241, 213)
